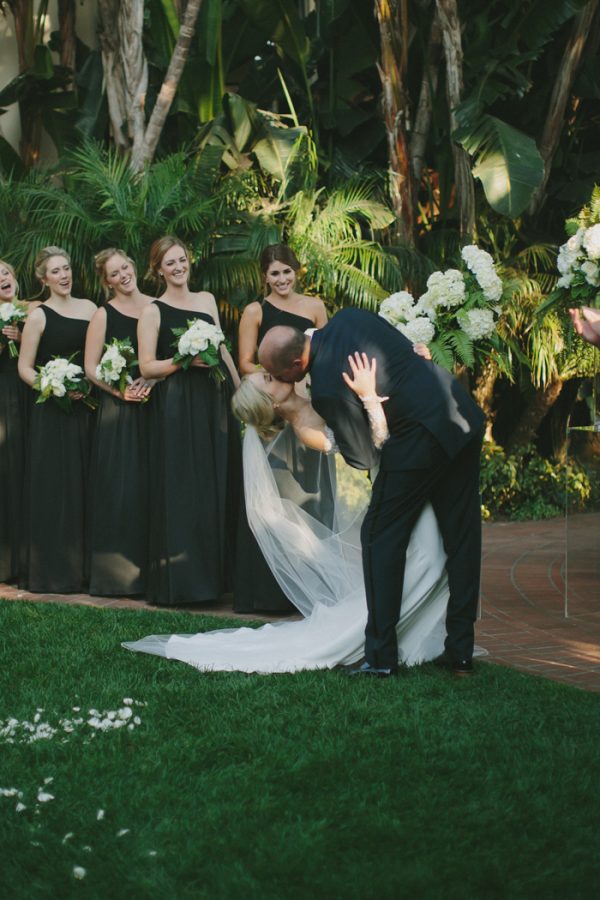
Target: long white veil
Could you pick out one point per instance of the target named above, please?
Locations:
(318, 565)
(315, 563)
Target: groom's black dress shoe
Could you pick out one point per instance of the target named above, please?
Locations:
(458, 667)
(369, 671)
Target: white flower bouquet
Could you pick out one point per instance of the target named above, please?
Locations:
(579, 258)
(11, 314)
(57, 379)
(459, 309)
(116, 365)
(203, 340)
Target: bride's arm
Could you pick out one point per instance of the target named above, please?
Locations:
(363, 384)
(317, 437)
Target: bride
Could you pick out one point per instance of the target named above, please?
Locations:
(318, 567)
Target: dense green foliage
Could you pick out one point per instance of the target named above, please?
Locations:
(524, 485)
(271, 787)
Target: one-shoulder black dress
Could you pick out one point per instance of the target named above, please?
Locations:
(56, 475)
(12, 450)
(118, 515)
(194, 458)
(296, 470)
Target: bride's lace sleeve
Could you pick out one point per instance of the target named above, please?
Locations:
(330, 444)
(377, 422)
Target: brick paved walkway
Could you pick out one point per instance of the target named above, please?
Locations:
(527, 573)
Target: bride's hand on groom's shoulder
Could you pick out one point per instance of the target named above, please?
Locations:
(364, 371)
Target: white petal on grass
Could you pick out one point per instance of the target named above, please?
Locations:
(79, 872)
(68, 837)
(122, 831)
(48, 780)
(44, 797)
(100, 815)
(20, 807)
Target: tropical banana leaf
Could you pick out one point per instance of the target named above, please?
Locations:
(507, 162)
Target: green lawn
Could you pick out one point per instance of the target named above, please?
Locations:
(287, 786)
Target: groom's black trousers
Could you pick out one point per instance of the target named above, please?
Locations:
(452, 488)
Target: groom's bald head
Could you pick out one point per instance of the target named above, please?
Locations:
(284, 353)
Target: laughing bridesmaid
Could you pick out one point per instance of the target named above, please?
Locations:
(12, 425)
(57, 459)
(118, 517)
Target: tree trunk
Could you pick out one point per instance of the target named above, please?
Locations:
(125, 69)
(483, 394)
(429, 84)
(465, 191)
(533, 415)
(561, 93)
(143, 152)
(22, 11)
(392, 17)
(68, 43)
(23, 17)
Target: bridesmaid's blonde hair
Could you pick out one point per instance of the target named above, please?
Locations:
(11, 269)
(254, 407)
(41, 261)
(100, 260)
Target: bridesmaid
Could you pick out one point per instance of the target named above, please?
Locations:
(195, 444)
(56, 466)
(283, 305)
(118, 515)
(296, 472)
(12, 435)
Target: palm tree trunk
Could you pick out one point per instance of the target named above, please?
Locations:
(465, 191)
(66, 20)
(392, 17)
(31, 129)
(483, 394)
(143, 152)
(22, 11)
(125, 69)
(429, 84)
(534, 414)
(135, 69)
(565, 75)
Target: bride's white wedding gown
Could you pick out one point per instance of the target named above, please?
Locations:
(321, 571)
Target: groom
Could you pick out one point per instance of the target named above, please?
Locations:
(432, 455)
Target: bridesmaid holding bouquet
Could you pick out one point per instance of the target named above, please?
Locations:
(12, 426)
(56, 466)
(118, 512)
(194, 439)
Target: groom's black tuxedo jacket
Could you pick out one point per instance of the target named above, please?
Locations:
(427, 406)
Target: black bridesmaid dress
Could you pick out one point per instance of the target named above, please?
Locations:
(12, 449)
(297, 471)
(56, 475)
(118, 508)
(195, 452)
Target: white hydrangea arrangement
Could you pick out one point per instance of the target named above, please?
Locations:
(579, 257)
(116, 365)
(11, 314)
(58, 379)
(203, 340)
(458, 309)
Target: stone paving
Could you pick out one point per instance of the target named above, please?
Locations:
(540, 598)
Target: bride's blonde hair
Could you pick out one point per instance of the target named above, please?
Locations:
(254, 407)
